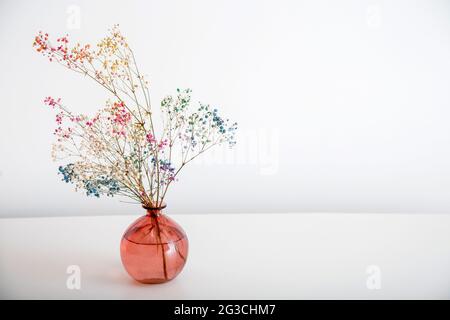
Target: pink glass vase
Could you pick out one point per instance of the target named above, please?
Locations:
(154, 248)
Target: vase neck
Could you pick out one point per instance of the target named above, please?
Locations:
(154, 211)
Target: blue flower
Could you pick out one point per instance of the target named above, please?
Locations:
(67, 172)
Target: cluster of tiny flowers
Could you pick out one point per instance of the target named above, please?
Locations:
(226, 129)
(166, 169)
(101, 185)
(153, 143)
(117, 150)
(94, 187)
(120, 118)
(67, 172)
(51, 102)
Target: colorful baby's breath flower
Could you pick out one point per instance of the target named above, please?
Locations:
(117, 150)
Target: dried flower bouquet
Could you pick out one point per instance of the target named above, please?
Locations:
(119, 150)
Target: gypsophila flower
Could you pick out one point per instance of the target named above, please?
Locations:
(116, 150)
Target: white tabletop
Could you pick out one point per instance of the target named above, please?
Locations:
(237, 256)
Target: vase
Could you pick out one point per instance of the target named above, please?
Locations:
(154, 248)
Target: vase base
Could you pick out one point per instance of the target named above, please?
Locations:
(153, 281)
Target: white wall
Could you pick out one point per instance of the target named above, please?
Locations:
(343, 106)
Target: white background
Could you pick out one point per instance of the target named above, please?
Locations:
(343, 106)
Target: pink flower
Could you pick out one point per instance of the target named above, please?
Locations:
(76, 119)
(162, 144)
(150, 138)
(59, 118)
(152, 141)
(121, 115)
(52, 102)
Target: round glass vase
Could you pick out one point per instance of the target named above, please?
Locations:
(154, 248)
